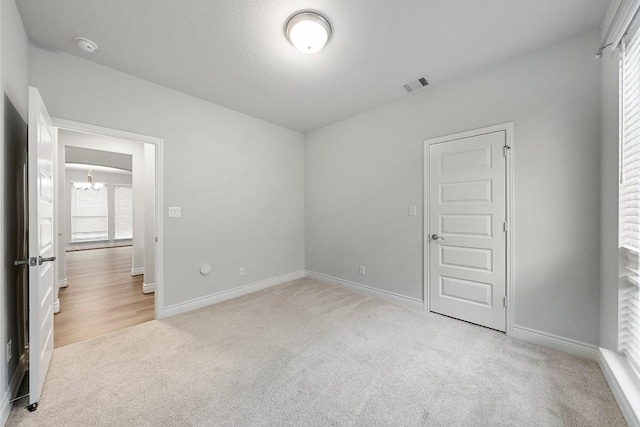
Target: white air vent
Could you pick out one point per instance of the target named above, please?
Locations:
(416, 84)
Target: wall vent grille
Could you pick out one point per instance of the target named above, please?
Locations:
(416, 84)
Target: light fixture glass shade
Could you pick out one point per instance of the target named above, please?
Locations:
(308, 31)
(89, 184)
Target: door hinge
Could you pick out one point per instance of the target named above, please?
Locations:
(504, 301)
(505, 150)
(504, 226)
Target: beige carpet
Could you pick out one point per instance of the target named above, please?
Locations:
(306, 353)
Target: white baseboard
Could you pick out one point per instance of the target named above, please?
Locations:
(63, 283)
(624, 383)
(148, 288)
(568, 345)
(196, 303)
(16, 379)
(391, 297)
(137, 271)
(56, 306)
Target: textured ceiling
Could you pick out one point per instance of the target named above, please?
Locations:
(234, 53)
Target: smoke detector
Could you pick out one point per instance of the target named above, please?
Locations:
(416, 84)
(86, 44)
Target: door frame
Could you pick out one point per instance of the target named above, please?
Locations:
(508, 128)
(159, 145)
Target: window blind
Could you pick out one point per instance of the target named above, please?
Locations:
(629, 200)
(89, 214)
(123, 211)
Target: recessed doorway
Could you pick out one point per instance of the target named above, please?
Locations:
(106, 235)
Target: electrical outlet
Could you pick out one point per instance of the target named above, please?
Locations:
(9, 353)
(243, 271)
(362, 270)
(174, 212)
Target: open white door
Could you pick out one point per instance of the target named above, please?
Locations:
(467, 228)
(42, 142)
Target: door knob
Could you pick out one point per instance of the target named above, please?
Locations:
(42, 260)
(436, 237)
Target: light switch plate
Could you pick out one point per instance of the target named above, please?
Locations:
(174, 212)
(413, 210)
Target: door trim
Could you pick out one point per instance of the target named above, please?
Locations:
(159, 144)
(508, 128)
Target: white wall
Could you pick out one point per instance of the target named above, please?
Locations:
(362, 173)
(15, 57)
(239, 180)
(13, 81)
(100, 158)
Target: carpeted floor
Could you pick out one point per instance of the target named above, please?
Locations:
(305, 353)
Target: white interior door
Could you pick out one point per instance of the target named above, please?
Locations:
(42, 142)
(466, 229)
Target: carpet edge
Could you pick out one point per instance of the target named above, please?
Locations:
(217, 297)
(556, 342)
(390, 297)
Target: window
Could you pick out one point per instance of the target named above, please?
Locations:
(89, 214)
(629, 200)
(123, 211)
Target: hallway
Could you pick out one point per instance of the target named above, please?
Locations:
(102, 296)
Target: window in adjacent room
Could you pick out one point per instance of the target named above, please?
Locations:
(89, 214)
(123, 214)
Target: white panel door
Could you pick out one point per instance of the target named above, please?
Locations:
(467, 242)
(42, 143)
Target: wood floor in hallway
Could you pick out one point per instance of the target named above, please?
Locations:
(102, 296)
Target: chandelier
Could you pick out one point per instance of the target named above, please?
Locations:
(89, 184)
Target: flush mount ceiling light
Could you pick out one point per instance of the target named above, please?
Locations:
(308, 31)
(86, 44)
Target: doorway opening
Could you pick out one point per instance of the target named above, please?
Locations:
(106, 235)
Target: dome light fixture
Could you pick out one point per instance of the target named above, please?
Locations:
(308, 31)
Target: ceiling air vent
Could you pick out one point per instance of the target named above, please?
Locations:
(416, 84)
